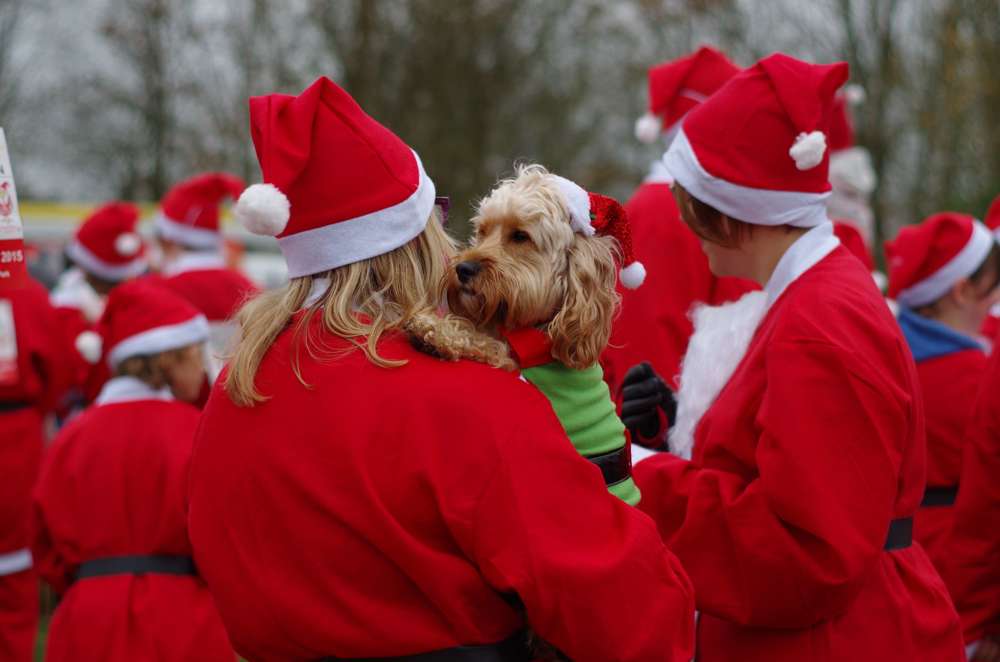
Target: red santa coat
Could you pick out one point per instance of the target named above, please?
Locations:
(383, 512)
(971, 564)
(950, 384)
(815, 443)
(31, 382)
(114, 485)
(654, 324)
(211, 287)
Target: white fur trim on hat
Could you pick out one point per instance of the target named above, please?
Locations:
(345, 242)
(721, 337)
(961, 266)
(633, 275)
(95, 266)
(744, 203)
(577, 205)
(808, 149)
(89, 345)
(852, 168)
(160, 339)
(128, 244)
(648, 128)
(263, 209)
(186, 235)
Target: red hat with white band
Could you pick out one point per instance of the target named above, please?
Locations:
(107, 245)
(340, 187)
(678, 86)
(592, 213)
(757, 149)
(992, 218)
(926, 260)
(189, 212)
(144, 318)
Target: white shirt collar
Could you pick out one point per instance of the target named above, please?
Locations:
(194, 261)
(800, 257)
(130, 389)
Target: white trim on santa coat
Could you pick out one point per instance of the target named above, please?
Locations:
(194, 261)
(752, 205)
(722, 335)
(130, 389)
(18, 560)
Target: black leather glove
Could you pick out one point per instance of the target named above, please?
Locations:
(643, 393)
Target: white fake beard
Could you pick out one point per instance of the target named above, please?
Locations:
(719, 342)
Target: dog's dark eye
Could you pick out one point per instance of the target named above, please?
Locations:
(520, 237)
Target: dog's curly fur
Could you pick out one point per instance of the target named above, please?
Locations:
(535, 271)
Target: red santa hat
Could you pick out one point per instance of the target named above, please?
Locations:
(340, 187)
(757, 149)
(592, 213)
(852, 240)
(992, 219)
(841, 122)
(926, 260)
(144, 318)
(678, 86)
(189, 212)
(107, 245)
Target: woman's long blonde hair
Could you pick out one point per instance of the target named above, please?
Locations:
(396, 291)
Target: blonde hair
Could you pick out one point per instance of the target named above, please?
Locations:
(395, 291)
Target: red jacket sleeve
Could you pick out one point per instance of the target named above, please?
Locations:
(973, 568)
(46, 509)
(594, 577)
(790, 545)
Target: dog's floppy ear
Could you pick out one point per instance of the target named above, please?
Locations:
(581, 329)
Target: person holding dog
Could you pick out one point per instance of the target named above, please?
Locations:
(800, 430)
(354, 498)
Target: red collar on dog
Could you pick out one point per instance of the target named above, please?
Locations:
(531, 347)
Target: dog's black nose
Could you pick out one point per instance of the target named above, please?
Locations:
(467, 270)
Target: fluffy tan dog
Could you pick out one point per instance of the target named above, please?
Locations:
(527, 267)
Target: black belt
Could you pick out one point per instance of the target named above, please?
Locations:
(13, 405)
(137, 565)
(615, 466)
(939, 496)
(900, 534)
(512, 649)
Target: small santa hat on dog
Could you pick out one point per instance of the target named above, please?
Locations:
(144, 318)
(757, 149)
(592, 213)
(677, 86)
(189, 212)
(926, 260)
(340, 187)
(107, 246)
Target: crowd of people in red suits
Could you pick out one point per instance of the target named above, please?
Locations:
(816, 444)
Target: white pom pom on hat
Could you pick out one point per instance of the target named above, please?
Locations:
(808, 150)
(633, 275)
(855, 94)
(263, 209)
(648, 128)
(128, 244)
(89, 345)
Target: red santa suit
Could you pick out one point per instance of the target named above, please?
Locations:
(189, 217)
(33, 377)
(926, 261)
(654, 323)
(110, 519)
(800, 412)
(972, 561)
(364, 511)
(107, 246)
